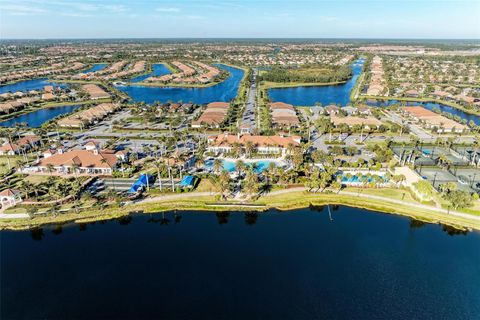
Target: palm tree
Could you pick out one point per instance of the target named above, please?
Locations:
(50, 168)
(223, 183)
(337, 185)
(199, 163)
(31, 210)
(249, 148)
(251, 185)
(217, 165)
(236, 148)
(160, 166)
(75, 168)
(26, 187)
(240, 165)
(74, 192)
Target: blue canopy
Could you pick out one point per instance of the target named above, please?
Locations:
(187, 181)
(140, 183)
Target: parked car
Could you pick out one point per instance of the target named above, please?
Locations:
(462, 179)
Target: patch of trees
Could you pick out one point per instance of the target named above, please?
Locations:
(282, 74)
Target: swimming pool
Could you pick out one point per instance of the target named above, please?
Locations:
(229, 166)
(360, 180)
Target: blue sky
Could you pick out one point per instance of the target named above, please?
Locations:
(245, 18)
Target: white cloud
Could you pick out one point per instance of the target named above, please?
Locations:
(194, 17)
(21, 10)
(171, 9)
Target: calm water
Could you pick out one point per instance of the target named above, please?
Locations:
(96, 67)
(277, 265)
(430, 106)
(308, 96)
(225, 91)
(157, 71)
(37, 118)
(27, 85)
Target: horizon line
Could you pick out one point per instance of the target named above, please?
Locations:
(239, 38)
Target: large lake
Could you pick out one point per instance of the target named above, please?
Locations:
(309, 96)
(224, 91)
(37, 118)
(274, 265)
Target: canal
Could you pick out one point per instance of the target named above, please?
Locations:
(96, 67)
(158, 70)
(36, 118)
(430, 106)
(297, 264)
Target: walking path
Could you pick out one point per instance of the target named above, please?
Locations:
(401, 202)
(280, 192)
(13, 216)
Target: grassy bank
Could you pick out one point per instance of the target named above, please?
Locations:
(286, 201)
(172, 85)
(73, 103)
(46, 105)
(270, 85)
(296, 200)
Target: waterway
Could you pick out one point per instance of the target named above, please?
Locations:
(158, 70)
(27, 85)
(96, 67)
(224, 91)
(430, 106)
(309, 96)
(36, 118)
(275, 265)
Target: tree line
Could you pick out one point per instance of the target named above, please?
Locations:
(283, 74)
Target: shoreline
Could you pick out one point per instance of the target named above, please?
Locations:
(422, 100)
(282, 200)
(50, 105)
(186, 86)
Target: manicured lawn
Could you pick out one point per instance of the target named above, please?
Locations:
(205, 185)
(36, 179)
(4, 163)
(398, 194)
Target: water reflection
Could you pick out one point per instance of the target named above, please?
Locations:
(222, 217)
(37, 234)
(316, 208)
(375, 255)
(126, 220)
(415, 224)
(177, 218)
(452, 231)
(57, 230)
(251, 218)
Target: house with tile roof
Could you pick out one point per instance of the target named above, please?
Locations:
(223, 143)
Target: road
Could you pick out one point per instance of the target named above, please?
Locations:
(248, 119)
